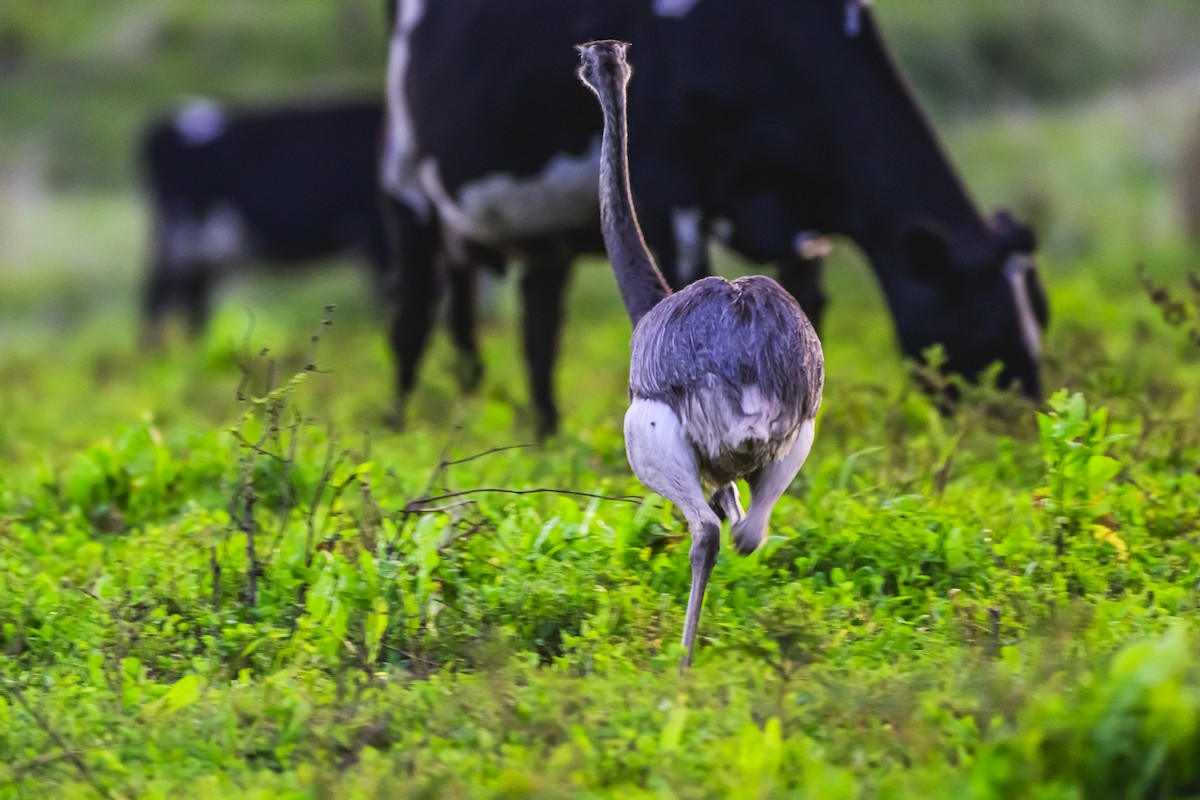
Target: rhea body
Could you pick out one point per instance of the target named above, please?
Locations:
(725, 377)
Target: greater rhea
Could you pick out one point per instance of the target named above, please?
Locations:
(725, 377)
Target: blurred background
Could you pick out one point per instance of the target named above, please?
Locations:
(1076, 114)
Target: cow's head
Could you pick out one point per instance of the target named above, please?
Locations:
(982, 301)
(807, 124)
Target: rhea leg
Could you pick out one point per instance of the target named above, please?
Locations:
(766, 487)
(665, 461)
(727, 503)
(706, 542)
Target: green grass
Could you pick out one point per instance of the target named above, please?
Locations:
(81, 82)
(997, 603)
(976, 54)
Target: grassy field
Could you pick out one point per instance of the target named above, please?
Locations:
(997, 603)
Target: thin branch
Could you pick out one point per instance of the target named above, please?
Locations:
(46, 759)
(40, 761)
(438, 509)
(333, 459)
(251, 552)
(92, 594)
(69, 753)
(414, 506)
(315, 340)
(410, 655)
(461, 536)
(287, 498)
(494, 450)
(443, 462)
(215, 565)
(408, 509)
(246, 364)
(257, 447)
(335, 494)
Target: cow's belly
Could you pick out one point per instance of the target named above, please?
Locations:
(501, 208)
(218, 237)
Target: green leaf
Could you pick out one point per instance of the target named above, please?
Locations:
(672, 732)
(1101, 470)
(377, 622)
(183, 693)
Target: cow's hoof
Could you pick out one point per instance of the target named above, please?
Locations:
(396, 419)
(547, 427)
(468, 371)
(152, 339)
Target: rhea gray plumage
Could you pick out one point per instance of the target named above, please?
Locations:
(725, 377)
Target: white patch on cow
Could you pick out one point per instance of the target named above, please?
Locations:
(1016, 268)
(219, 237)
(689, 243)
(223, 234)
(723, 229)
(853, 17)
(810, 244)
(501, 207)
(397, 164)
(674, 8)
(200, 121)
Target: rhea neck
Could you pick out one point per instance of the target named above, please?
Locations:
(638, 277)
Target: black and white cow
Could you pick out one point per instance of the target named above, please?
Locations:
(285, 185)
(763, 121)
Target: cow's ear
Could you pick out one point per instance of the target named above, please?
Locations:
(1014, 234)
(927, 254)
(1037, 298)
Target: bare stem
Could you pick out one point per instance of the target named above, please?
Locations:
(414, 506)
(68, 752)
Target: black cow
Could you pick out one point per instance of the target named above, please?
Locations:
(283, 185)
(763, 121)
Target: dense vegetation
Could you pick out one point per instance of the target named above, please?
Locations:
(222, 576)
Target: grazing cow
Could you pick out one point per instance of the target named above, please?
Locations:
(282, 185)
(763, 121)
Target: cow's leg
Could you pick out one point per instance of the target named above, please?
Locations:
(678, 239)
(656, 229)
(383, 272)
(197, 288)
(543, 286)
(804, 278)
(671, 219)
(414, 299)
(158, 294)
(761, 228)
(462, 325)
